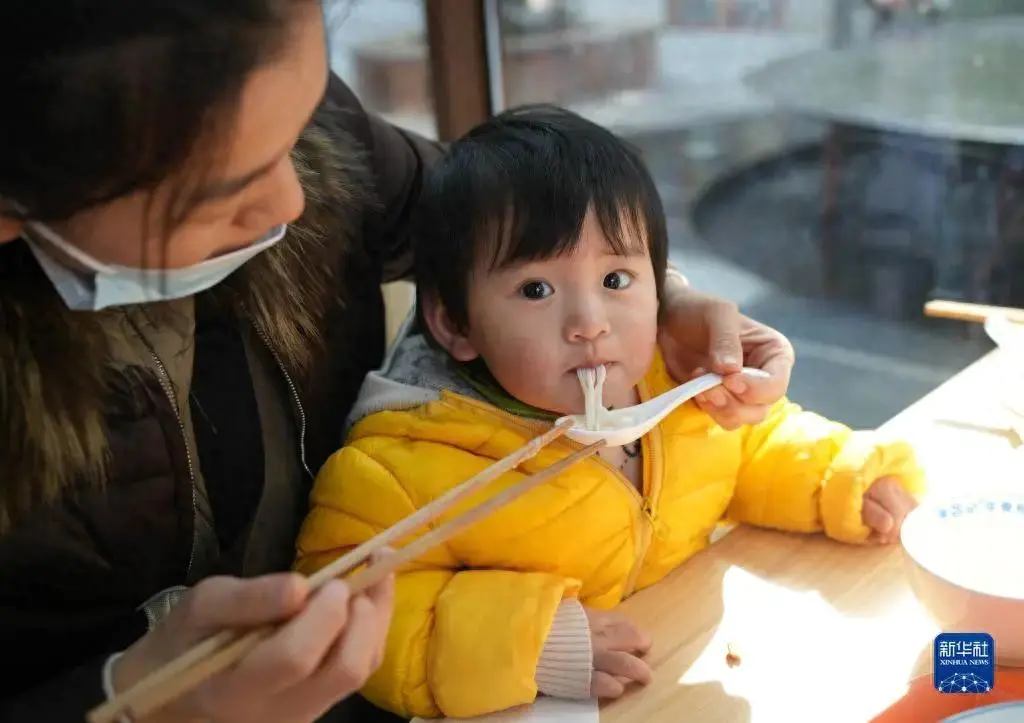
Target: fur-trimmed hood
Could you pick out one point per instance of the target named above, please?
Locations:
(57, 365)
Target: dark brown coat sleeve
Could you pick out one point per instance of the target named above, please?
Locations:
(396, 160)
(65, 698)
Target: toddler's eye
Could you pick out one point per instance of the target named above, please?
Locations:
(536, 290)
(617, 280)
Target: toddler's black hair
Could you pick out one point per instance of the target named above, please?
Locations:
(518, 188)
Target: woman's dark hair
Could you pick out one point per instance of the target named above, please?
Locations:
(518, 188)
(102, 98)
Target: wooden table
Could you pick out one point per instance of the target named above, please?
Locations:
(825, 631)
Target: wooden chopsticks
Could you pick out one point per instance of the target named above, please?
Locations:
(977, 313)
(220, 651)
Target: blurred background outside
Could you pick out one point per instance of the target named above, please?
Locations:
(829, 165)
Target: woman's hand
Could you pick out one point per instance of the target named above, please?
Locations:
(10, 229)
(704, 333)
(329, 646)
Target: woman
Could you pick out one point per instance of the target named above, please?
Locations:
(160, 427)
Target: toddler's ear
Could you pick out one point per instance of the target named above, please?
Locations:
(445, 332)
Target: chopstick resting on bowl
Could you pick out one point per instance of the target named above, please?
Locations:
(221, 651)
(977, 313)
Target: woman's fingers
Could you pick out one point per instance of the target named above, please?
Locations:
(736, 402)
(343, 671)
(213, 606)
(352, 661)
(383, 597)
(327, 645)
(9, 228)
(383, 593)
(729, 412)
(231, 602)
(724, 343)
(297, 650)
(321, 656)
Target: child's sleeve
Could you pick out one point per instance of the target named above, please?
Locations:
(463, 642)
(805, 473)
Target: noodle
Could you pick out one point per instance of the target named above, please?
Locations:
(592, 381)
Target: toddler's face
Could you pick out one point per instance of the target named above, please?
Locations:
(536, 323)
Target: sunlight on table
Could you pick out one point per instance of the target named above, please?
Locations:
(784, 639)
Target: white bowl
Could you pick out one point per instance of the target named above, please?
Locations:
(1007, 334)
(998, 713)
(965, 561)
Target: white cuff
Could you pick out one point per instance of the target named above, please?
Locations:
(567, 660)
(108, 684)
(158, 606)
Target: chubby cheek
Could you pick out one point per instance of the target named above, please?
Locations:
(636, 332)
(530, 371)
(523, 355)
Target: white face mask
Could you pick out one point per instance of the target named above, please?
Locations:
(105, 285)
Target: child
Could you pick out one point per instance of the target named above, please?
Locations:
(543, 249)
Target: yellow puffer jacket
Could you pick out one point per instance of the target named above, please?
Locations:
(472, 617)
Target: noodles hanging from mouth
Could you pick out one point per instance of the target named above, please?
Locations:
(592, 381)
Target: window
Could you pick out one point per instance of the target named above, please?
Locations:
(726, 14)
(380, 49)
(808, 158)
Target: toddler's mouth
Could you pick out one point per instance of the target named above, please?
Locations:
(592, 365)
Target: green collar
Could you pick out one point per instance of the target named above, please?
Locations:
(480, 378)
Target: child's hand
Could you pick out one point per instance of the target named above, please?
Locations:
(619, 648)
(886, 505)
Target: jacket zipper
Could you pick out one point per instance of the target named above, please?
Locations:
(168, 387)
(164, 379)
(651, 446)
(646, 503)
(294, 390)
